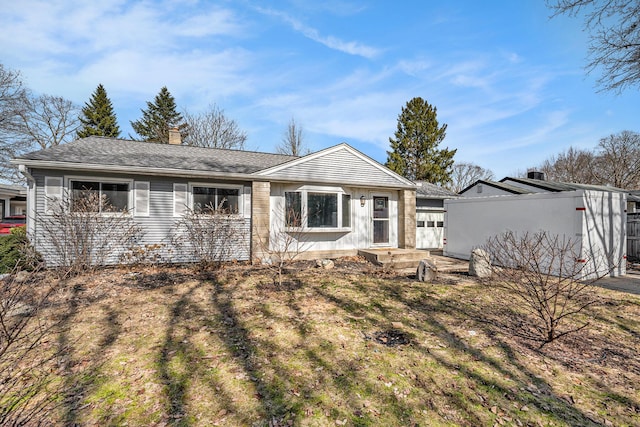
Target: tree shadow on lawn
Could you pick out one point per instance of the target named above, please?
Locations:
(513, 389)
(81, 367)
(85, 357)
(266, 343)
(561, 408)
(282, 390)
(432, 306)
(181, 363)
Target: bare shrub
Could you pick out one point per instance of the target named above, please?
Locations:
(28, 392)
(85, 231)
(286, 242)
(210, 236)
(541, 284)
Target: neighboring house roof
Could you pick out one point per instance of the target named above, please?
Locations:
(124, 155)
(563, 186)
(634, 196)
(426, 190)
(13, 190)
(499, 185)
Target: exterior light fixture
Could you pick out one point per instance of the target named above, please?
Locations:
(362, 200)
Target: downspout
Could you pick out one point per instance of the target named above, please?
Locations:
(24, 171)
(31, 200)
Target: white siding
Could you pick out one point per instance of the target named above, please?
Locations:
(340, 166)
(158, 225)
(358, 236)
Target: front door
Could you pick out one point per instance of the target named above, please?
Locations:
(380, 220)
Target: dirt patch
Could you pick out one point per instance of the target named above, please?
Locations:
(391, 338)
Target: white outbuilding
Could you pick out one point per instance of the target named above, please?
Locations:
(594, 218)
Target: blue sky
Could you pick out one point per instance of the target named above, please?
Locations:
(508, 81)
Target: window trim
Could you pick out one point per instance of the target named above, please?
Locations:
(238, 187)
(304, 193)
(68, 179)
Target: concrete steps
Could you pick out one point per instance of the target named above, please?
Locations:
(394, 258)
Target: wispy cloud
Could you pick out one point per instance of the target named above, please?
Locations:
(87, 28)
(349, 47)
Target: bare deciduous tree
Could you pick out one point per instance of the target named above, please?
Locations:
(465, 174)
(13, 96)
(213, 129)
(82, 232)
(614, 30)
(48, 121)
(572, 165)
(617, 160)
(293, 141)
(30, 122)
(287, 241)
(40, 122)
(542, 283)
(209, 236)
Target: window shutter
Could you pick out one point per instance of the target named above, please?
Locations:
(52, 192)
(141, 198)
(179, 199)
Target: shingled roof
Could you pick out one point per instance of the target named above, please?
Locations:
(426, 190)
(110, 152)
(556, 186)
(500, 185)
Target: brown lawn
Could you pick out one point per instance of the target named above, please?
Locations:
(351, 346)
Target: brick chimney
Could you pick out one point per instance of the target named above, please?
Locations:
(174, 136)
(533, 174)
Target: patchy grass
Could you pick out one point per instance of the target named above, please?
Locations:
(354, 347)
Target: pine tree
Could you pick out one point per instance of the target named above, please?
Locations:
(97, 116)
(160, 116)
(415, 154)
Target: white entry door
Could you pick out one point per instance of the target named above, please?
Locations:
(380, 218)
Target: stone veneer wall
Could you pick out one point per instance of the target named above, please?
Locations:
(260, 218)
(407, 219)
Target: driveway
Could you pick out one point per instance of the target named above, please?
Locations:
(629, 283)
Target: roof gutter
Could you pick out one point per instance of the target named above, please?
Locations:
(47, 164)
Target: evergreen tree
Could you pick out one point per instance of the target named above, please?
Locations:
(415, 154)
(98, 117)
(160, 116)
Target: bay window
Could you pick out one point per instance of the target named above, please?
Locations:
(322, 210)
(317, 209)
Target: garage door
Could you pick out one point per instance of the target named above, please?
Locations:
(430, 230)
